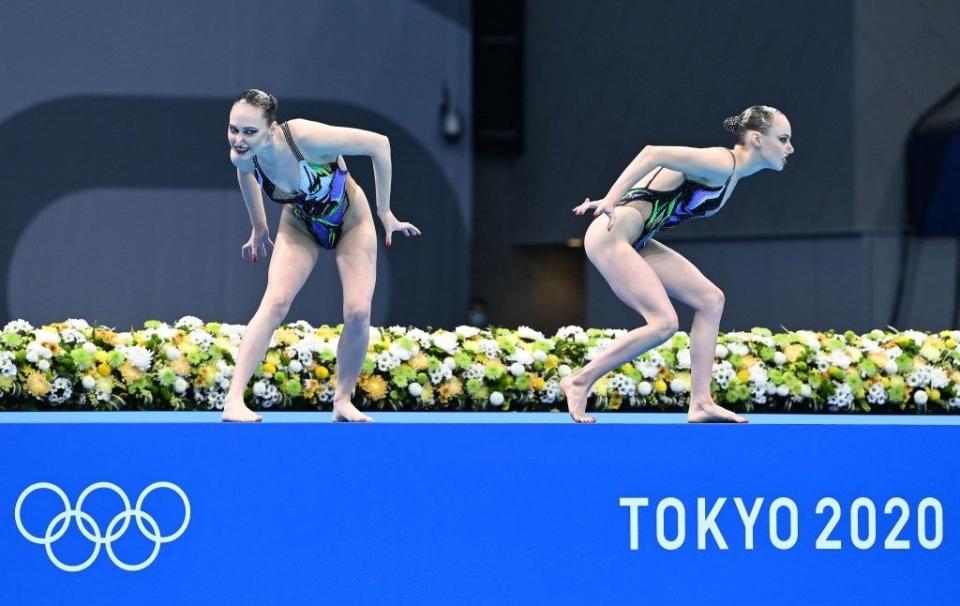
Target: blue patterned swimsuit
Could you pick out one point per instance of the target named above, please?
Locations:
(322, 201)
(689, 200)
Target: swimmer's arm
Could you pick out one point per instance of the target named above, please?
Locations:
(250, 190)
(317, 140)
(712, 163)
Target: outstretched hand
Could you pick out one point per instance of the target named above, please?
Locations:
(599, 207)
(392, 224)
(259, 245)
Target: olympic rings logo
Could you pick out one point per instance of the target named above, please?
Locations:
(115, 529)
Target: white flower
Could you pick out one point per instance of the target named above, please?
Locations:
(467, 332)
(723, 373)
(180, 385)
(474, 371)
(188, 323)
(758, 374)
(891, 367)
(921, 397)
(43, 336)
(201, 339)
(138, 356)
(397, 331)
(171, 353)
(622, 384)
(783, 391)
(869, 345)
(450, 363)
(738, 349)
(540, 356)
(386, 361)
(581, 338)
(259, 389)
(564, 371)
(88, 382)
(496, 399)
(60, 391)
(420, 337)
(917, 336)
(521, 356)
(598, 346)
(72, 335)
(779, 358)
(842, 397)
(295, 366)
(551, 392)
(89, 347)
(517, 369)
(876, 394)
(567, 332)
(124, 338)
(683, 358)
(415, 389)
(374, 335)
(615, 332)
(400, 352)
(938, 378)
(43, 365)
(440, 374)
(954, 402)
(489, 348)
(919, 377)
(805, 390)
(525, 332)
(447, 341)
(840, 359)
(721, 351)
(678, 386)
(809, 339)
(645, 388)
(19, 326)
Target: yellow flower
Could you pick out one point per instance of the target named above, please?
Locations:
(103, 369)
(100, 356)
(310, 387)
(321, 372)
(206, 376)
(537, 383)
(325, 332)
(660, 386)
(130, 373)
(286, 336)
(935, 395)
(187, 348)
(106, 335)
(450, 389)
(427, 396)
(180, 366)
(269, 368)
(793, 352)
(141, 340)
(375, 386)
(37, 385)
(6, 383)
(552, 362)
(601, 386)
(743, 375)
(273, 357)
(951, 344)
(615, 401)
(419, 362)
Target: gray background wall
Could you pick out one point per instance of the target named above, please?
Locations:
(119, 203)
(816, 246)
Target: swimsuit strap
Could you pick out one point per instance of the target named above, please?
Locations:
(290, 142)
(734, 156)
(647, 186)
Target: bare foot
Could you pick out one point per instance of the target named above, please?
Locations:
(576, 399)
(347, 412)
(238, 413)
(711, 412)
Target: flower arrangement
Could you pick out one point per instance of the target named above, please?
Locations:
(188, 366)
